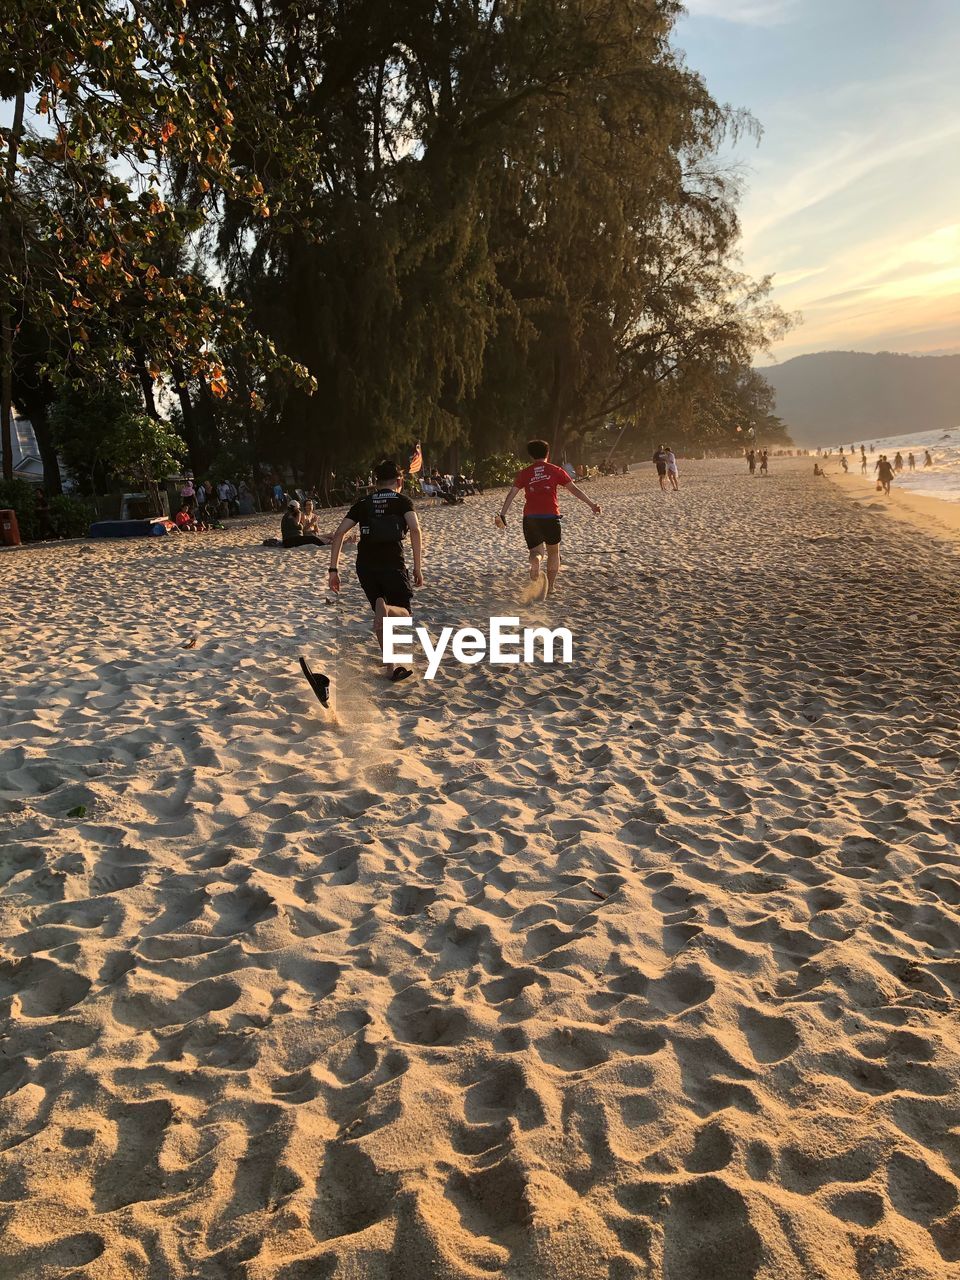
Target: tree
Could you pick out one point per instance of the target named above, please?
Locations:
(82, 247)
(108, 439)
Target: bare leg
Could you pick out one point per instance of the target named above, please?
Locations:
(553, 566)
(663, 483)
(536, 555)
(383, 610)
(675, 482)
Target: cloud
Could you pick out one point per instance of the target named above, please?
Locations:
(759, 13)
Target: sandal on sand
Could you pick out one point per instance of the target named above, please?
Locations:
(320, 684)
(400, 673)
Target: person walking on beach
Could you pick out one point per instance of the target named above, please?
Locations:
(863, 461)
(898, 461)
(660, 462)
(541, 511)
(884, 474)
(385, 517)
(673, 471)
(752, 462)
(911, 462)
(764, 463)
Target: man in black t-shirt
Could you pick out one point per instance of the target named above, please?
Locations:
(384, 518)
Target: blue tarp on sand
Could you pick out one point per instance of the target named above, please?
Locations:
(127, 529)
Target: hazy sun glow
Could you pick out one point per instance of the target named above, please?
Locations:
(854, 189)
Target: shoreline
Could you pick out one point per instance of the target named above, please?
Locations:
(929, 515)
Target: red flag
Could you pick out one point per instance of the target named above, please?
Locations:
(416, 461)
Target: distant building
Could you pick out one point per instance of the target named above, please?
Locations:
(26, 454)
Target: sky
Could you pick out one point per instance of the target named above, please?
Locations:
(852, 196)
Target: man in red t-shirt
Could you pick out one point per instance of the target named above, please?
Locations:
(541, 511)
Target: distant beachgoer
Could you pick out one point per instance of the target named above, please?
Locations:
(911, 462)
(660, 462)
(184, 520)
(291, 529)
(927, 460)
(818, 470)
(898, 461)
(673, 471)
(843, 463)
(752, 462)
(884, 474)
(539, 483)
(863, 461)
(764, 462)
(309, 523)
(278, 496)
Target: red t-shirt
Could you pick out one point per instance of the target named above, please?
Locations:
(540, 481)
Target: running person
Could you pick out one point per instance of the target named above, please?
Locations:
(384, 516)
(541, 510)
(673, 471)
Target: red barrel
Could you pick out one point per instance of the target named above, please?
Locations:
(9, 529)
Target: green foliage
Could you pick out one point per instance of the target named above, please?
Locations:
(70, 516)
(468, 222)
(20, 496)
(498, 469)
(107, 440)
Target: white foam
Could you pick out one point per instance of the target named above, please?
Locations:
(942, 479)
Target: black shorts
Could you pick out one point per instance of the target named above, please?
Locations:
(661, 468)
(390, 583)
(537, 529)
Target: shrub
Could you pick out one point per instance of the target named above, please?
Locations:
(499, 468)
(21, 496)
(70, 517)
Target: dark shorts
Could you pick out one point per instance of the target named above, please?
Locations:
(661, 468)
(537, 529)
(392, 584)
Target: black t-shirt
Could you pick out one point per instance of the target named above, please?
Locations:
(289, 527)
(381, 517)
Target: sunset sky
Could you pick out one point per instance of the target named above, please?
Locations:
(853, 195)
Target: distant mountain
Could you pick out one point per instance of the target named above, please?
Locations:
(843, 397)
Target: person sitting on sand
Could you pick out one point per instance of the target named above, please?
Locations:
(818, 470)
(183, 519)
(291, 529)
(309, 523)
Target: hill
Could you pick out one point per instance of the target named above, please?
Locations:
(841, 397)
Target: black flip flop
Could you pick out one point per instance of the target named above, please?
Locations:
(400, 673)
(320, 684)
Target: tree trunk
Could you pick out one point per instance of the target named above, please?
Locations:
(7, 302)
(146, 386)
(190, 430)
(37, 409)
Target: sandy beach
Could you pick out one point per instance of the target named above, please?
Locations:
(642, 967)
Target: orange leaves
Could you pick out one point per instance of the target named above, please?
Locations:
(218, 382)
(106, 258)
(168, 130)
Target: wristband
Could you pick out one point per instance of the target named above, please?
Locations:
(333, 569)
